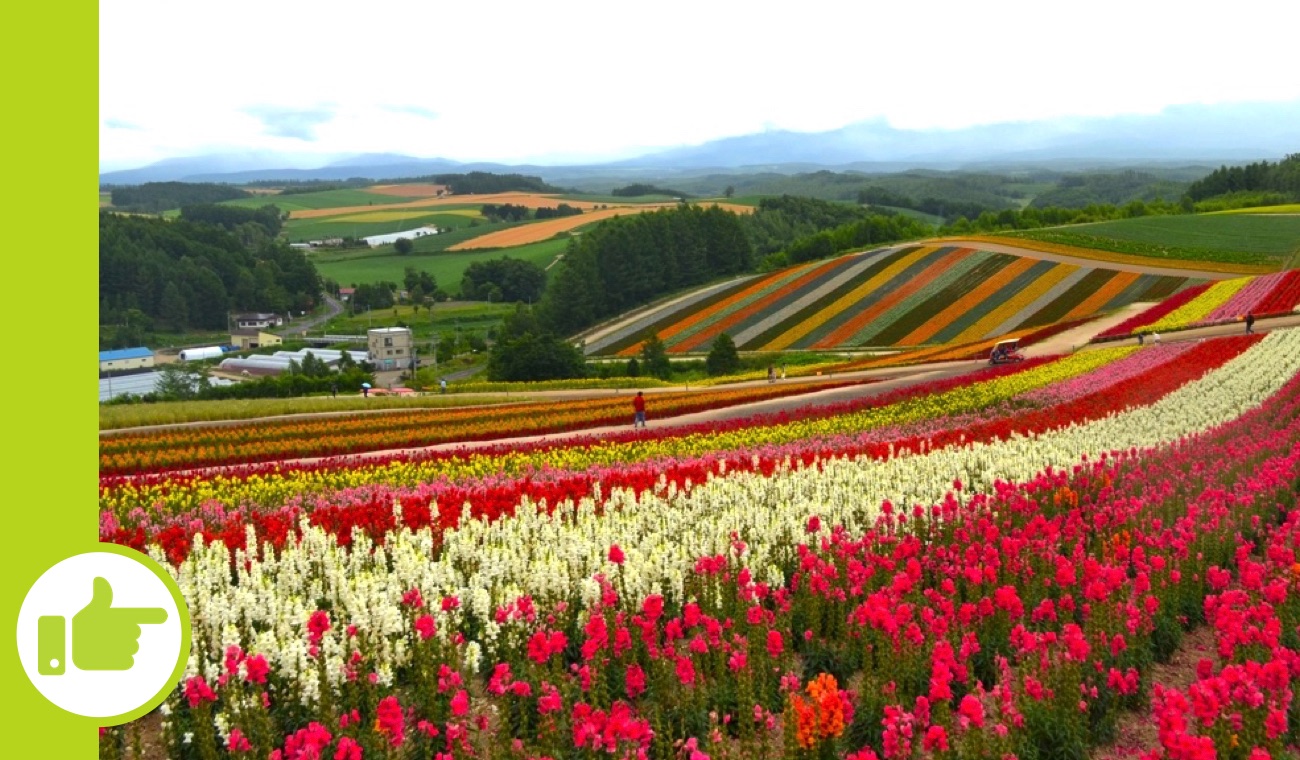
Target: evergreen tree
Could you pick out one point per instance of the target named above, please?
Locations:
(654, 358)
(723, 359)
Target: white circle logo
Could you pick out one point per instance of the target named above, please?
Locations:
(104, 634)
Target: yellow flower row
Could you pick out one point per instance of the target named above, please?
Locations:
(1200, 307)
(274, 489)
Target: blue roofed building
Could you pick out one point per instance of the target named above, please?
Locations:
(125, 359)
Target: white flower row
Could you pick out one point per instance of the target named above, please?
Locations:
(553, 556)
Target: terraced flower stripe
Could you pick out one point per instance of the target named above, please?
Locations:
(992, 568)
(892, 297)
(1215, 303)
(287, 438)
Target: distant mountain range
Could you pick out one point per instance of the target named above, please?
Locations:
(1231, 132)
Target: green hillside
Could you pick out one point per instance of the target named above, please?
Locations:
(1267, 239)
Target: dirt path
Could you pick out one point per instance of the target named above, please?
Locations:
(1138, 730)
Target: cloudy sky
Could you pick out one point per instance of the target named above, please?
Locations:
(584, 81)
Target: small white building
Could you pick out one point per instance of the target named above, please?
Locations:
(125, 359)
(257, 321)
(389, 347)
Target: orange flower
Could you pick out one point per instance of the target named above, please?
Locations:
(823, 716)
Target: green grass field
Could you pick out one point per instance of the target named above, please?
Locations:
(323, 199)
(1232, 238)
(377, 265)
(469, 316)
(315, 229)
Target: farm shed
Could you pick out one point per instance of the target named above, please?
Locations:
(125, 359)
(243, 340)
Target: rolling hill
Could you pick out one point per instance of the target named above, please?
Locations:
(912, 295)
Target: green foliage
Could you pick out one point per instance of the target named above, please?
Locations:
(416, 281)
(874, 195)
(487, 182)
(213, 271)
(654, 358)
(157, 197)
(1098, 188)
(181, 381)
(232, 218)
(535, 357)
(723, 358)
(1282, 177)
(403, 246)
(630, 260)
(872, 230)
(525, 350)
(291, 385)
(1230, 238)
(375, 295)
(556, 212)
(503, 279)
(1033, 217)
(504, 212)
(639, 189)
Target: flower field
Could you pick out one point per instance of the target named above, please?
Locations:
(1216, 303)
(287, 438)
(983, 566)
(909, 296)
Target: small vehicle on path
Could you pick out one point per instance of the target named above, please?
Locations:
(1006, 352)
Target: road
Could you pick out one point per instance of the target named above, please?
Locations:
(333, 308)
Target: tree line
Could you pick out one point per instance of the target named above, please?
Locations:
(157, 197)
(1282, 177)
(628, 261)
(639, 189)
(513, 212)
(186, 274)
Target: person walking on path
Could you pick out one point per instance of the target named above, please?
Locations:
(771, 374)
(638, 406)
(442, 385)
(1250, 322)
(782, 371)
(1155, 338)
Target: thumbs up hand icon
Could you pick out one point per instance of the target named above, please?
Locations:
(104, 637)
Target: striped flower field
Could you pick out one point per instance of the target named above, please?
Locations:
(908, 296)
(982, 566)
(1216, 303)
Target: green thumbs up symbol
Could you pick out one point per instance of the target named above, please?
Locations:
(104, 637)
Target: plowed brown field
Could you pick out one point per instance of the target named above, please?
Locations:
(539, 231)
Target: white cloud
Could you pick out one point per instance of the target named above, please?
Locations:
(603, 79)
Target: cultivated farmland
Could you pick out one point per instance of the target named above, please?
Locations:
(376, 265)
(1260, 240)
(905, 296)
(537, 231)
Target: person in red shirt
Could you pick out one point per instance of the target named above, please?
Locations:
(638, 405)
